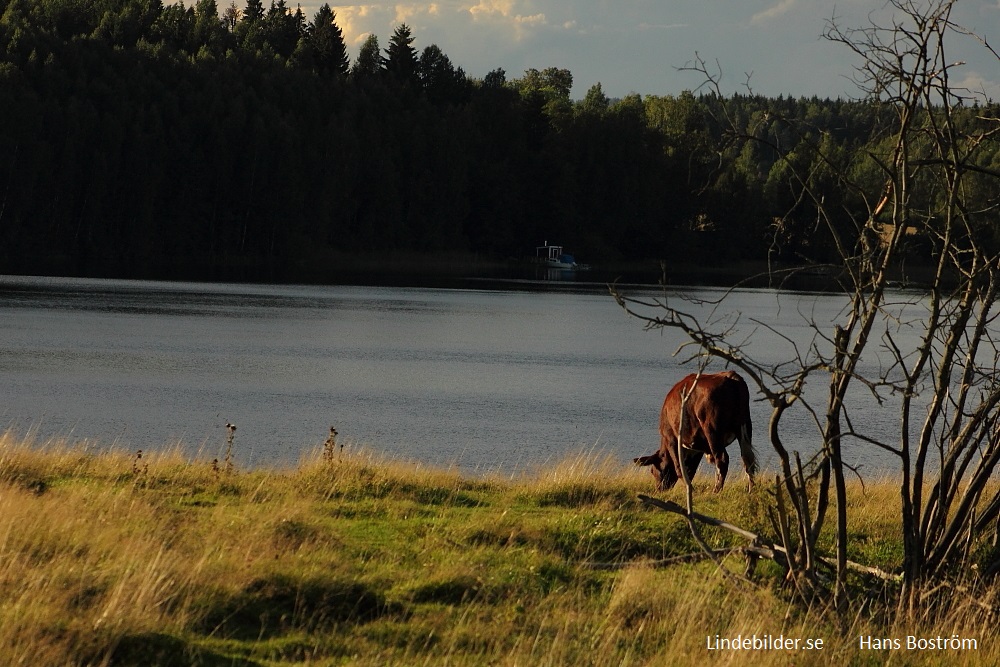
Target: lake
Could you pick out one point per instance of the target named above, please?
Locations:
(500, 378)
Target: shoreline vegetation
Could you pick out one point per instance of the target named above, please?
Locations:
(115, 558)
(464, 270)
(402, 268)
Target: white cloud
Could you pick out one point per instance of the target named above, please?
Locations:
(406, 13)
(506, 15)
(357, 21)
(979, 86)
(772, 12)
(534, 19)
(661, 26)
(488, 8)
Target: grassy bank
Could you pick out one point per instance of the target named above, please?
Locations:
(109, 559)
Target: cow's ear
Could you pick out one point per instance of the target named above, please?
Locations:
(647, 460)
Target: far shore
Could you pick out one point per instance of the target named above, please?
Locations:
(453, 269)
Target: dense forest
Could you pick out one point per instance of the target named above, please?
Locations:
(151, 140)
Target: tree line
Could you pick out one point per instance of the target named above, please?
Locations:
(144, 139)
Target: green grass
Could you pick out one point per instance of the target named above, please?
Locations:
(366, 561)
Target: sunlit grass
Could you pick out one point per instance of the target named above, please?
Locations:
(359, 559)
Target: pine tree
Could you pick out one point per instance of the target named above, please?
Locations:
(327, 41)
(282, 28)
(208, 29)
(441, 80)
(250, 29)
(369, 62)
(254, 11)
(401, 58)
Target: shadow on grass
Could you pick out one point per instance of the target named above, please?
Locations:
(451, 591)
(154, 648)
(276, 605)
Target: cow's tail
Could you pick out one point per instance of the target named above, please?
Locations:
(747, 450)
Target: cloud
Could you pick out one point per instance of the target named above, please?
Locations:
(534, 19)
(774, 11)
(979, 86)
(661, 26)
(406, 13)
(357, 21)
(506, 24)
(488, 8)
(508, 15)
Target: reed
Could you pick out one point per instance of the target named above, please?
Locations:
(359, 559)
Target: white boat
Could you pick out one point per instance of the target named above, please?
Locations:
(553, 257)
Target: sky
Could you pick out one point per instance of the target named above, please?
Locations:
(640, 46)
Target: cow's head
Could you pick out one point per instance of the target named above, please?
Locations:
(662, 469)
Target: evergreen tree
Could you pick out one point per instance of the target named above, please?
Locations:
(327, 42)
(401, 61)
(282, 28)
(174, 27)
(369, 62)
(208, 29)
(441, 80)
(254, 11)
(250, 29)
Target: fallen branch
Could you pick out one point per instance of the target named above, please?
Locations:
(759, 545)
(677, 509)
(748, 550)
(971, 596)
(663, 562)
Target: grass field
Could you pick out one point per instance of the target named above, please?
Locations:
(110, 559)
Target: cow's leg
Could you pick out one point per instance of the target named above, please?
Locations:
(668, 477)
(670, 468)
(748, 454)
(749, 465)
(721, 469)
(691, 462)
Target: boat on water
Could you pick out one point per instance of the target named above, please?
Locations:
(553, 257)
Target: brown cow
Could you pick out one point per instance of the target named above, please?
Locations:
(717, 412)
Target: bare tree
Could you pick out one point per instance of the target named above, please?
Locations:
(933, 185)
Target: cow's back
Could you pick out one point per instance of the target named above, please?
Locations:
(724, 406)
(719, 405)
(716, 412)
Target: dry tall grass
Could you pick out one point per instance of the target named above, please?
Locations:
(361, 560)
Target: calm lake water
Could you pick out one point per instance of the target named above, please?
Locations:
(485, 379)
